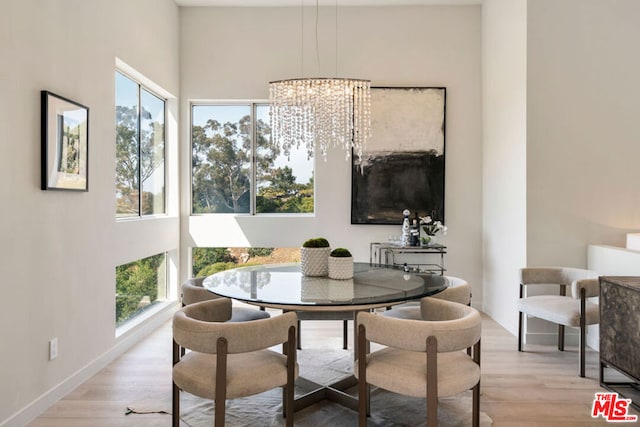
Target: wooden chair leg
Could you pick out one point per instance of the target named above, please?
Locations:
(221, 382)
(476, 406)
(561, 337)
(362, 377)
(476, 390)
(520, 321)
(288, 391)
(177, 352)
(432, 381)
(583, 330)
(219, 405)
(175, 406)
(582, 349)
(299, 339)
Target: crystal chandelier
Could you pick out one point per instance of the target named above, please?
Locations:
(321, 111)
(327, 112)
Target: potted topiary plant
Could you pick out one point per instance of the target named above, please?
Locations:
(340, 264)
(314, 256)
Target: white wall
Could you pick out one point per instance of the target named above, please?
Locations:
(232, 53)
(582, 127)
(59, 250)
(504, 77)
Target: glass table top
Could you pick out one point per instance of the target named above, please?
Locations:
(284, 284)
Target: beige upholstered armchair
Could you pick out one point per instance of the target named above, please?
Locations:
(230, 360)
(458, 291)
(573, 310)
(423, 358)
(193, 291)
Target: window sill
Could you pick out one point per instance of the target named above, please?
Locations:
(145, 317)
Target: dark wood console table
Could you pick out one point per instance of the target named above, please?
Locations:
(620, 334)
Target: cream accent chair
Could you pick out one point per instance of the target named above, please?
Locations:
(458, 291)
(423, 358)
(574, 310)
(230, 360)
(193, 291)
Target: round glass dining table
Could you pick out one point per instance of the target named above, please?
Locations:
(283, 286)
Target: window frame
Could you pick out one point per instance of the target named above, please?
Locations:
(165, 101)
(253, 104)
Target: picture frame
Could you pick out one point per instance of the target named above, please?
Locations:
(403, 166)
(65, 143)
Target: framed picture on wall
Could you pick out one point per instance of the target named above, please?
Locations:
(403, 164)
(65, 143)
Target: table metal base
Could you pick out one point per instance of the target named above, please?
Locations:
(335, 392)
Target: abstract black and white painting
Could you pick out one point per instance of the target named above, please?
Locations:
(403, 164)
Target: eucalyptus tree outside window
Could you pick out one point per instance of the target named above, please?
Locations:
(236, 168)
(140, 142)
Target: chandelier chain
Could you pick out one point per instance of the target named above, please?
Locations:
(320, 113)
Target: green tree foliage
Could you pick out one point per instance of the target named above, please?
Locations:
(205, 257)
(217, 267)
(221, 167)
(128, 159)
(254, 252)
(283, 194)
(221, 171)
(134, 281)
(127, 183)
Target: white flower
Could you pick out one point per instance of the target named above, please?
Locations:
(431, 227)
(425, 220)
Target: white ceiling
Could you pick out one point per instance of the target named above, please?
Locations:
(272, 3)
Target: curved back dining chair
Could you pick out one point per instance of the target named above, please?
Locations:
(230, 360)
(422, 358)
(193, 291)
(458, 291)
(573, 310)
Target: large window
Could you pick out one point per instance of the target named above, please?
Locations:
(140, 285)
(140, 141)
(237, 168)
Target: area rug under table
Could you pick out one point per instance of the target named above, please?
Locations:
(324, 367)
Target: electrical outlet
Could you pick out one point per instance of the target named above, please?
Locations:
(53, 348)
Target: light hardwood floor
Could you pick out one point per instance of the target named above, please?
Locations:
(539, 387)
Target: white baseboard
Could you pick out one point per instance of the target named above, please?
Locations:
(132, 337)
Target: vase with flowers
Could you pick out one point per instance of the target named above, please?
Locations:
(431, 230)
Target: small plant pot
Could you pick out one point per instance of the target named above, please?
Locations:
(314, 261)
(340, 268)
